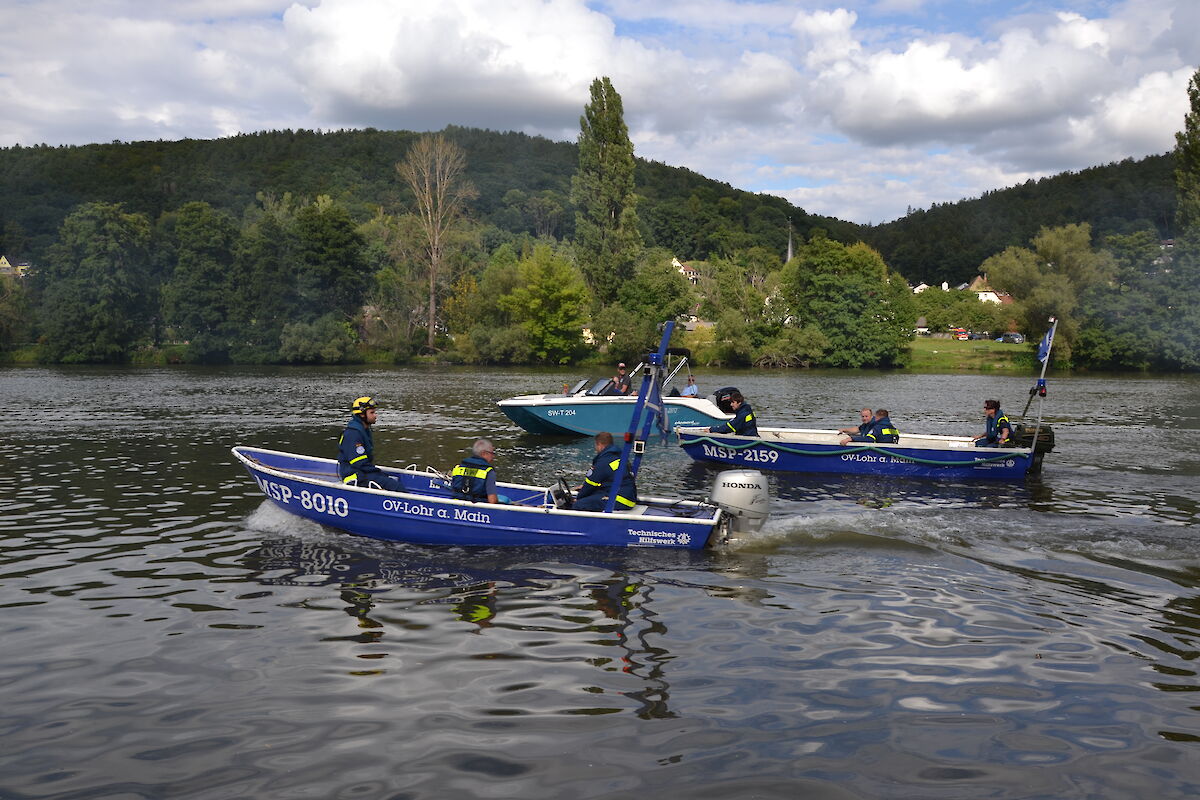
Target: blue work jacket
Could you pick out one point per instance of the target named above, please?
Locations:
(356, 453)
(600, 477)
(742, 424)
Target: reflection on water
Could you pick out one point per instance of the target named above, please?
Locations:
(169, 634)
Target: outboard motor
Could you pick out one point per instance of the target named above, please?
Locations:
(721, 398)
(743, 495)
(1023, 437)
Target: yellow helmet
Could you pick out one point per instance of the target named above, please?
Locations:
(362, 404)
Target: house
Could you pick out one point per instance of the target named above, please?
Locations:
(690, 273)
(19, 269)
(920, 287)
(986, 293)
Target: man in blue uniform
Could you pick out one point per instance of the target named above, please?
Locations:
(878, 431)
(868, 419)
(743, 423)
(475, 478)
(597, 484)
(356, 450)
(998, 430)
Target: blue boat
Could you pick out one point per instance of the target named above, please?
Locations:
(914, 456)
(426, 511)
(588, 408)
(920, 456)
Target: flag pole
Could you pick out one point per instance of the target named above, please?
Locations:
(1040, 387)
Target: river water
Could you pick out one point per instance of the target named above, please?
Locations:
(167, 634)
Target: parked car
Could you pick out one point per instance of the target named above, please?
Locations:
(979, 335)
(1012, 338)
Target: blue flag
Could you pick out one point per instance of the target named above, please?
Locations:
(1044, 347)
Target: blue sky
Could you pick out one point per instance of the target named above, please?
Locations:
(859, 109)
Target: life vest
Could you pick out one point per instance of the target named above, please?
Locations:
(469, 479)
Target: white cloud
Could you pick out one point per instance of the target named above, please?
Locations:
(857, 110)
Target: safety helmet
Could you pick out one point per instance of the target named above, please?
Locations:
(362, 404)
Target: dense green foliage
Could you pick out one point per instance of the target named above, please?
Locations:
(1187, 159)
(863, 309)
(97, 296)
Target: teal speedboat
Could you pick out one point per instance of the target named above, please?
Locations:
(588, 408)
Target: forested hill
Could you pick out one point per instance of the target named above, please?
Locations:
(523, 183)
(948, 242)
(524, 186)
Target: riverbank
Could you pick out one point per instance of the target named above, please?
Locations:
(951, 355)
(928, 356)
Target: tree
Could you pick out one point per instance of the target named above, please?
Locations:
(12, 309)
(607, 239)
(548, 304)
(434, 170)
(863, 309)
(1187, 161)
(95, 304)
(265, 293)
(196, 300)
(1049, 280)
(332, 274)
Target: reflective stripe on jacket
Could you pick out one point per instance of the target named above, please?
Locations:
(470, 478)
(882, 432)
(599, 478)
(742, 424)
(995, 425)
(356, 452)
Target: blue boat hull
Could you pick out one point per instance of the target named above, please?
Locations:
(425, 513)
(782, 452)
(587, 416)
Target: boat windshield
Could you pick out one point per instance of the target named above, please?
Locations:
(577, 388)
(602, 386)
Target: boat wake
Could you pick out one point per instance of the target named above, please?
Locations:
(1011, 536)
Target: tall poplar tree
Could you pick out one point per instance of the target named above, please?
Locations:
(607, 240)
(1187, 161)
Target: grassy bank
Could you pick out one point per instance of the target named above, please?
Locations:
(952, 355)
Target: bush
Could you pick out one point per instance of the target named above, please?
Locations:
(326, 341)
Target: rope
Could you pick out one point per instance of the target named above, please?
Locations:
(857, 449)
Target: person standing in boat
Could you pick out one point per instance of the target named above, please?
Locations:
(879, 431)
(743, 423)
(690, 390)
(621, 383)
(475, 478)
(998, 430)
(597, 483)
(356, 450)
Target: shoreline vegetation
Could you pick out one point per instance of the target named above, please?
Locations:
(929, 355)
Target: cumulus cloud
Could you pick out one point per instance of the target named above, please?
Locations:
(858, 110)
